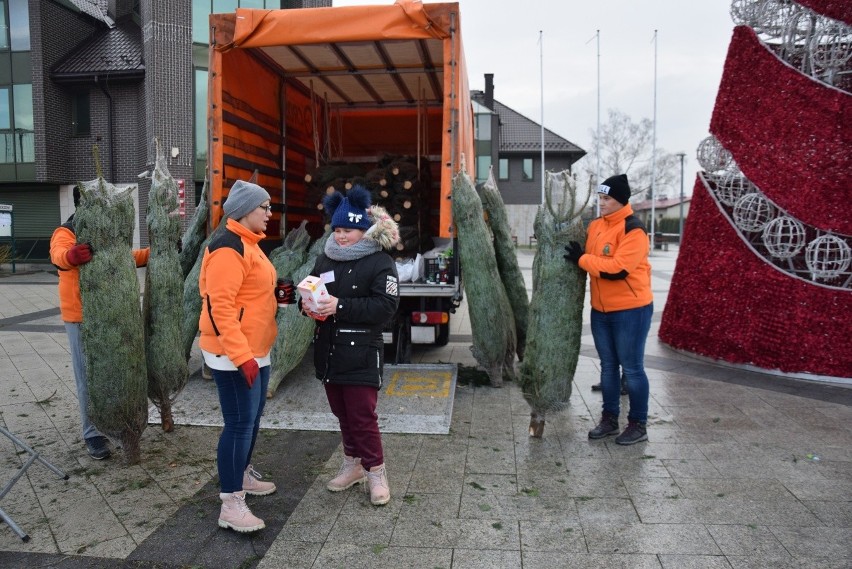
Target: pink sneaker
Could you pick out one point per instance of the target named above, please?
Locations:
(252, 483)
(351, 472)
(236, 515)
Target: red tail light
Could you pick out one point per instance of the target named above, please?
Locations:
(420, 318)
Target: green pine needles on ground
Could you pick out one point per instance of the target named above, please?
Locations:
(491, 320)
(556, 308)
(163, 309)
(112, 331)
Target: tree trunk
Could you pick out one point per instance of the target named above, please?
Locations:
(537, 424)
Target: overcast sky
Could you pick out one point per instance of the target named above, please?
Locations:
(502, 37)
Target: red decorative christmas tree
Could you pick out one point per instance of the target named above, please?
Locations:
(764, 275)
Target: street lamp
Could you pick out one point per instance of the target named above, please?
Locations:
(681, 155)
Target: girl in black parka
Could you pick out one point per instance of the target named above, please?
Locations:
(363, 295)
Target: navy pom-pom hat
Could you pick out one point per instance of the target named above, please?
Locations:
(349, 211)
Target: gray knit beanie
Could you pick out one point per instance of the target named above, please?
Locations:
(243, 198)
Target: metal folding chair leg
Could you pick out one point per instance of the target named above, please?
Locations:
(34, 456)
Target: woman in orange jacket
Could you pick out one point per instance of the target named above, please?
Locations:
(616, 258)
(68, 256)
(237, 324)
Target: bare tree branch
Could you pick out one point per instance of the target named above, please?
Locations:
(626, 148)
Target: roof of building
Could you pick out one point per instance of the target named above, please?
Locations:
(94, 8)
(659, 204)
(521, 134)
(116, 52)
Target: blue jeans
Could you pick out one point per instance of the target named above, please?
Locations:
(620, 340)
(78, 362)
(241, 408)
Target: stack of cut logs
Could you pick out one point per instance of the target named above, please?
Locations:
(396, 184)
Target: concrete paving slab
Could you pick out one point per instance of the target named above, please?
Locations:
(740, 492)
(417, 398)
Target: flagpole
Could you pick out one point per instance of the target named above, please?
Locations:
(598, 131)
(597, 37)
(654, 152)
(541, 55)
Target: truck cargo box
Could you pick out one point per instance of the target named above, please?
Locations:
(293, 94)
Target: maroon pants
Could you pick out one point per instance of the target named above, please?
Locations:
(355, 408)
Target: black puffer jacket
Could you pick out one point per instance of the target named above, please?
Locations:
(348, 347)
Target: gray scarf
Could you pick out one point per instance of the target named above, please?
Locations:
(360, 249)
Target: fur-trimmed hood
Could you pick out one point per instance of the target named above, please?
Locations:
(383, 228)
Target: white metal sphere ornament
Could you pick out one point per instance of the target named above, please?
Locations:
(829, 49)
(828, 256)
(747, 12)
(731, 185)
(712, 156)
(784, 237)
(752, 212)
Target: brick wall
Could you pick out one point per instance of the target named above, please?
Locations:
(55, 31)
(169, 97)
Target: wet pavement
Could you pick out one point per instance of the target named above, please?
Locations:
(742, 470)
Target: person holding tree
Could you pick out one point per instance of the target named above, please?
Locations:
(616, 258)
(67, 255)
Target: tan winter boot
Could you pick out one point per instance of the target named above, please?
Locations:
(351, 472)
(236, 515)
(252, 483)
(379, 489)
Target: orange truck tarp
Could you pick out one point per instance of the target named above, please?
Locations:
(247, 111)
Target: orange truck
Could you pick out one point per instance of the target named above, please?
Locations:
(291, 90)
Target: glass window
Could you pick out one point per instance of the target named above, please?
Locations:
(222, 6)
(7, 147)
(252, 3)
(5, 116)
(483, 165)
(527, 172)
(483, 127)
(19, 25)
(24, 134)
(503, 169)
(80, 114)
(201, 114)
(4, 26)
(200, 23)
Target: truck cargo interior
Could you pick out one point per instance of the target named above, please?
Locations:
(314, 100)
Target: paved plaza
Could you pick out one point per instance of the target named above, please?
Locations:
(743, 470)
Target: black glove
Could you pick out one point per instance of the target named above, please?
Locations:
(180, 245)
(574, 252)
(285, 292)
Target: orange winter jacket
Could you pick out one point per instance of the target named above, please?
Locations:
(237, 285)
(617, 262)
(70, 301)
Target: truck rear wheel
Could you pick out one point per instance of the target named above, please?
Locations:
(403, 343)
(443, 336)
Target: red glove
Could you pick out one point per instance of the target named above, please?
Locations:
(80, 254)
(250, 370)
